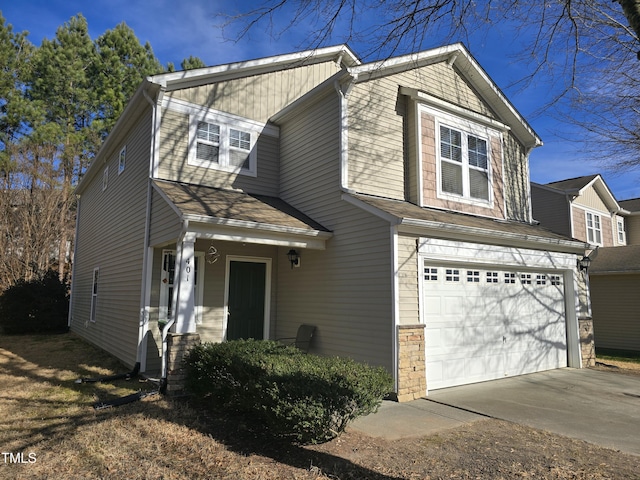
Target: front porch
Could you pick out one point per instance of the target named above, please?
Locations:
(218, 275)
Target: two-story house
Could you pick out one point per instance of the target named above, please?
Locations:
(586, 209)
(386, 203)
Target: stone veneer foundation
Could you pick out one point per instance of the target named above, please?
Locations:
(412, 383)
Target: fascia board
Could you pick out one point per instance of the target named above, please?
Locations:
(266, 227)
(248, 232)
(202, 76)
(480, 235)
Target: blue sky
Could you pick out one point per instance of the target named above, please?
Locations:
(178, 29)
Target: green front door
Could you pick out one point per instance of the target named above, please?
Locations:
(247, 281)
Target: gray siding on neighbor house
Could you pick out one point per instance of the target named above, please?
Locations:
(615, 306)
(344, 290)
(259, 97)
(632, 224)
(173, 166)
(551, 210)
(111, 238)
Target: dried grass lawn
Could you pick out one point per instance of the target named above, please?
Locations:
(50, 420)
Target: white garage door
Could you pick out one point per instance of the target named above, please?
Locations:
(484, 324)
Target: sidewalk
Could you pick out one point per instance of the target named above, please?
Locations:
(421, 417)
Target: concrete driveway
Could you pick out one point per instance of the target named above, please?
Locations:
(599, 407)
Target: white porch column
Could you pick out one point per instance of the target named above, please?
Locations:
(185, 314)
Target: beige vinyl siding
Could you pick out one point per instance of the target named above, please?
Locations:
(516, 179)
(111, 238)
(551, 210)
(591, 200)
(615, 305)
(174, 148)
(408, 276)
(259, 97)
(378, 119)
(411, 146)
(382, 143)
(165, 222)
(344, 290)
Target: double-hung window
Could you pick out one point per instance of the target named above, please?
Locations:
(214, 144)
(464, 164)
(594, 228)
(622, 237)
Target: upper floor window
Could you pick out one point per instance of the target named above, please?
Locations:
(122, 160)
(594, 228)
(223, 147)
(464, 164)
(622, 237)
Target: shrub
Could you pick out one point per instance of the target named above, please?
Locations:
(35, 306)
(295, 396)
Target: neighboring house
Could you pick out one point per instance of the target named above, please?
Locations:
(585, 209)
(615, 286)
(386, 203)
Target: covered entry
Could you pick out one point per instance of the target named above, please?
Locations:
(494, 312)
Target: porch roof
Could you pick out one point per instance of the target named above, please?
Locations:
(218, 213)
(411, 218)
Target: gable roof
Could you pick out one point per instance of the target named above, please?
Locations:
(624, 259)
(571, 184)
(576, 186)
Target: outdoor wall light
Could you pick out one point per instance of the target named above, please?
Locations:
(584, 263)
(294, 258)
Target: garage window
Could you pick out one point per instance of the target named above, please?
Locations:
(473, 276)
(492, 277)
(541, 279)
(509, 277)
(555, 279)
(430, 274)
(452, 275)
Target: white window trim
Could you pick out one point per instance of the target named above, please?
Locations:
(467, 127)
(224, 146)
(105, 178)
(122, 158)
(621, 232)
(95, 282)
(586, 226)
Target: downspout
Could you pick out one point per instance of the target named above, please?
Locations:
(73, 263)
(145, 294)
(343, 92)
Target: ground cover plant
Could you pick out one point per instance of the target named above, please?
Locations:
(44, 413)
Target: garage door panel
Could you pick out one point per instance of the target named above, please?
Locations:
(488, 324)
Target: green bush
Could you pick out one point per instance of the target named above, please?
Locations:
(36, 306)
(295, 396)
